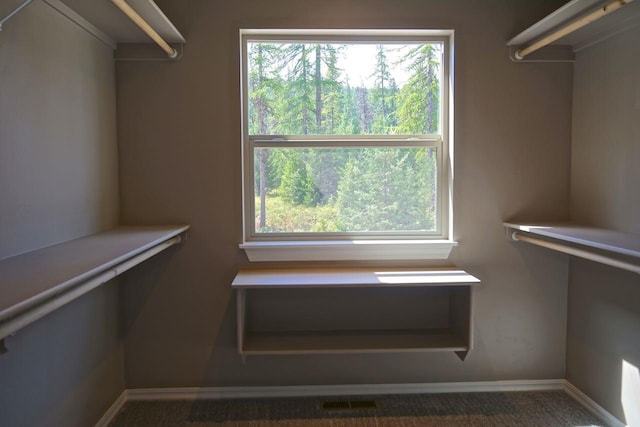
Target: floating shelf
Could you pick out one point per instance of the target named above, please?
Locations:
(455, 285)
(616, 22)
(38, 282)
(349, 277)
(591, 243)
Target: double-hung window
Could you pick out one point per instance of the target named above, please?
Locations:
(346, 144)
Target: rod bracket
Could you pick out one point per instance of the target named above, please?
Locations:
(14, 12)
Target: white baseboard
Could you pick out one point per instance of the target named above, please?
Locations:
(338, 390)
(592, 406)
(192, 393)
(113, 410)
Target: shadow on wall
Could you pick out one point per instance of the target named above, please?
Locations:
(139, 285)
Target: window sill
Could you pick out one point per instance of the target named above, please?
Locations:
(360, 250)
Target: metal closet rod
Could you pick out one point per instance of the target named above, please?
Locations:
(575, 25)
(581, 253)
(13, 324)
(140, 22)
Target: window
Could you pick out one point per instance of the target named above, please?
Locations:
(346, 144)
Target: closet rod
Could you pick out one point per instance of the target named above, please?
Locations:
(15, 11)
(30, 315)
(587, 19)
(133, 15)
(570, 250)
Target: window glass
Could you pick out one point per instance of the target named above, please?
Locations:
(344, 138)
(346, 189)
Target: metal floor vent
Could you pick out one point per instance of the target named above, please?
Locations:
(342, 405)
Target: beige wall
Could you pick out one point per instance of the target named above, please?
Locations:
(604, 303)
(58, 181)
(179, 146)
(606, 135)
(58, 164)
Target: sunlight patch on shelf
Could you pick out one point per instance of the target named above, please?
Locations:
(533, 227)
(427, 276)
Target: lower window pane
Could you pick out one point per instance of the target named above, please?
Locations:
(328, 190)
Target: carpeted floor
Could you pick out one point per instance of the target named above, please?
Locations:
(548, 409)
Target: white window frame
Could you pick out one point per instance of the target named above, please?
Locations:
(401, 245)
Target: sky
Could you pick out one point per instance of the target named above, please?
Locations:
(358, 63)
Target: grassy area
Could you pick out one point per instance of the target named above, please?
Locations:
(283, 217)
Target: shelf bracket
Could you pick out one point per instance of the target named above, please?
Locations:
(14, 12)
(3, 347)
(68, 13)
(462, 354)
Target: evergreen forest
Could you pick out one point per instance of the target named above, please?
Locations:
(304, 89)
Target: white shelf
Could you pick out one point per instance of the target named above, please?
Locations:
(596, 238)
(105, 21)
(457, 318)
(36, 278)
(350, 277)
(620, 20)
(105, 16)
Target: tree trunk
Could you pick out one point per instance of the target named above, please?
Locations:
(318, 90)
(262, 166)
(262, 153)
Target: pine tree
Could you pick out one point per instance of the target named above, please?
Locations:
(349, 121)
(332, 94)
(297, 101)
(364, 111)
(380, 93)
(297, 187)
(318, 85)
(419, 99)
(260, 104)
(387, 189)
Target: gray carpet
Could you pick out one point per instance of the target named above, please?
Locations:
(552, 408)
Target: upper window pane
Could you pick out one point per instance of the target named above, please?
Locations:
(305, 88)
